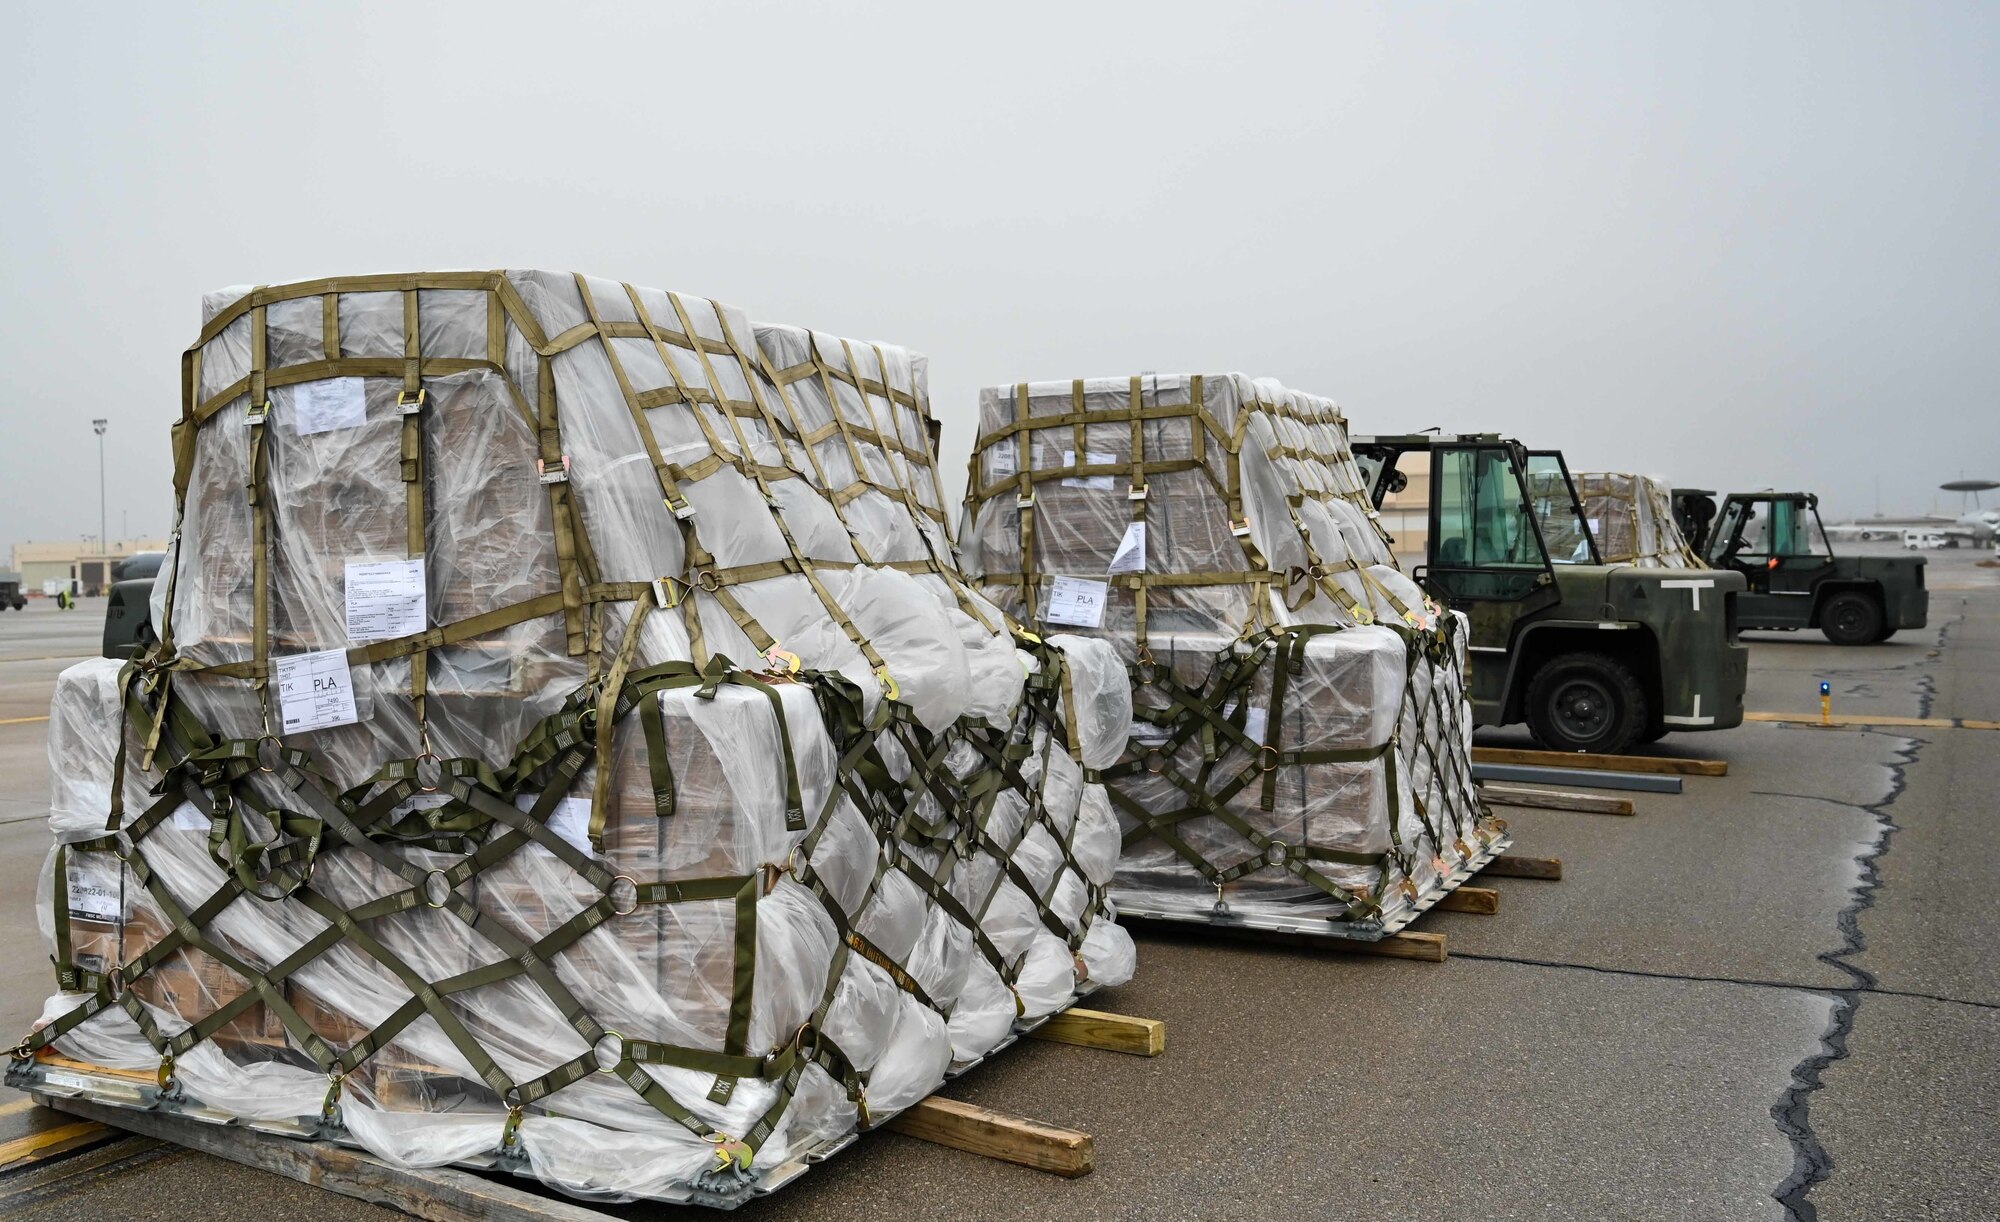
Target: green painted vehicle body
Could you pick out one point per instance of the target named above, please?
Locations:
(1672, 625)
(1774, 540)
(1672, 629)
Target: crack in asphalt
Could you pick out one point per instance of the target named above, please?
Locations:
(1811, 1162)
(1752, 982)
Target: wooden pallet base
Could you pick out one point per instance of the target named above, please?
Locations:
(1613, 763)
(1502, 794)
(1145, 1037)
(442, 1194)
(1481, 901)
(54, 1142)
(108, 1102)
(1514, 865)
(978, 1130)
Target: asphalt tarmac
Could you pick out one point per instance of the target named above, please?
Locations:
(1772, 995)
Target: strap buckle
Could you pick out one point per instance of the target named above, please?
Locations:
(678, 506)
(410, 402)
(668, 591)
(1137, 492)
(1240, 529)
(1026, 500)
(552, 475)
(258, 413)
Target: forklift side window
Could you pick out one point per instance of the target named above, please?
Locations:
(1565, 532)
(1486, 545)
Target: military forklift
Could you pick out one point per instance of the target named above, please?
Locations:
(1592, 657)
(1775, 540)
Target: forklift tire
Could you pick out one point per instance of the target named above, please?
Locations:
(1851, 618)
(1586, 702)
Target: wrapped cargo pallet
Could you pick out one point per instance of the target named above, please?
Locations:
(1300, 750)
(1631, 519)
(570, 744)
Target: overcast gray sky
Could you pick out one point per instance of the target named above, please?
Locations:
(1734, 244)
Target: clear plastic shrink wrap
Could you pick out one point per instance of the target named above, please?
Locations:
(1301, 731)
(571, 739)
(1631, 519)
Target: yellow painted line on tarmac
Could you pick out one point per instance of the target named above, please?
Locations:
(1886, 721)
(21, 721)
(17, 1106)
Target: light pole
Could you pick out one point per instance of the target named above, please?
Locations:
(103, 544)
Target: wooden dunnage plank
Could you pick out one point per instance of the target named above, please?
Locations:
(978, 1130)
(50, 1142)
(1483, 900)
(441, 1194)
(1409, 944)
(1513, 865)
(1602, 763)
(1145, 1037)
(1555, 799)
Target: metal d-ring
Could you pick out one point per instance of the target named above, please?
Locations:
(609, 1034)
(443, 879)
(707, 581)
(1144, 668)
(267, 737)
(418, 765)
(1268, 758)
(615, 909)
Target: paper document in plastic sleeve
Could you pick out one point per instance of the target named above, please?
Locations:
(95, 889)
(385, 599)
(321, 407)
(1103, 483)
(1255, 721)
(570, 820)
(316, 690)
(1131, 554)
(1077, 602)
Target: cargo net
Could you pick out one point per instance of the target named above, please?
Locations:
(1630, 517)
(1301, 728)
(568, 738)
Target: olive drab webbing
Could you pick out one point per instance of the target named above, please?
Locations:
(1196, 758)
(431, 823)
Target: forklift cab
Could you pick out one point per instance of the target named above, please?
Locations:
(1774, 539)
(1592, 657)
(1769, 537)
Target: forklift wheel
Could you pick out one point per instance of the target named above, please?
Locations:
(1586, 702)
(1851, 618)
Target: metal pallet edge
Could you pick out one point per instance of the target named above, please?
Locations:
(1338, 931)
